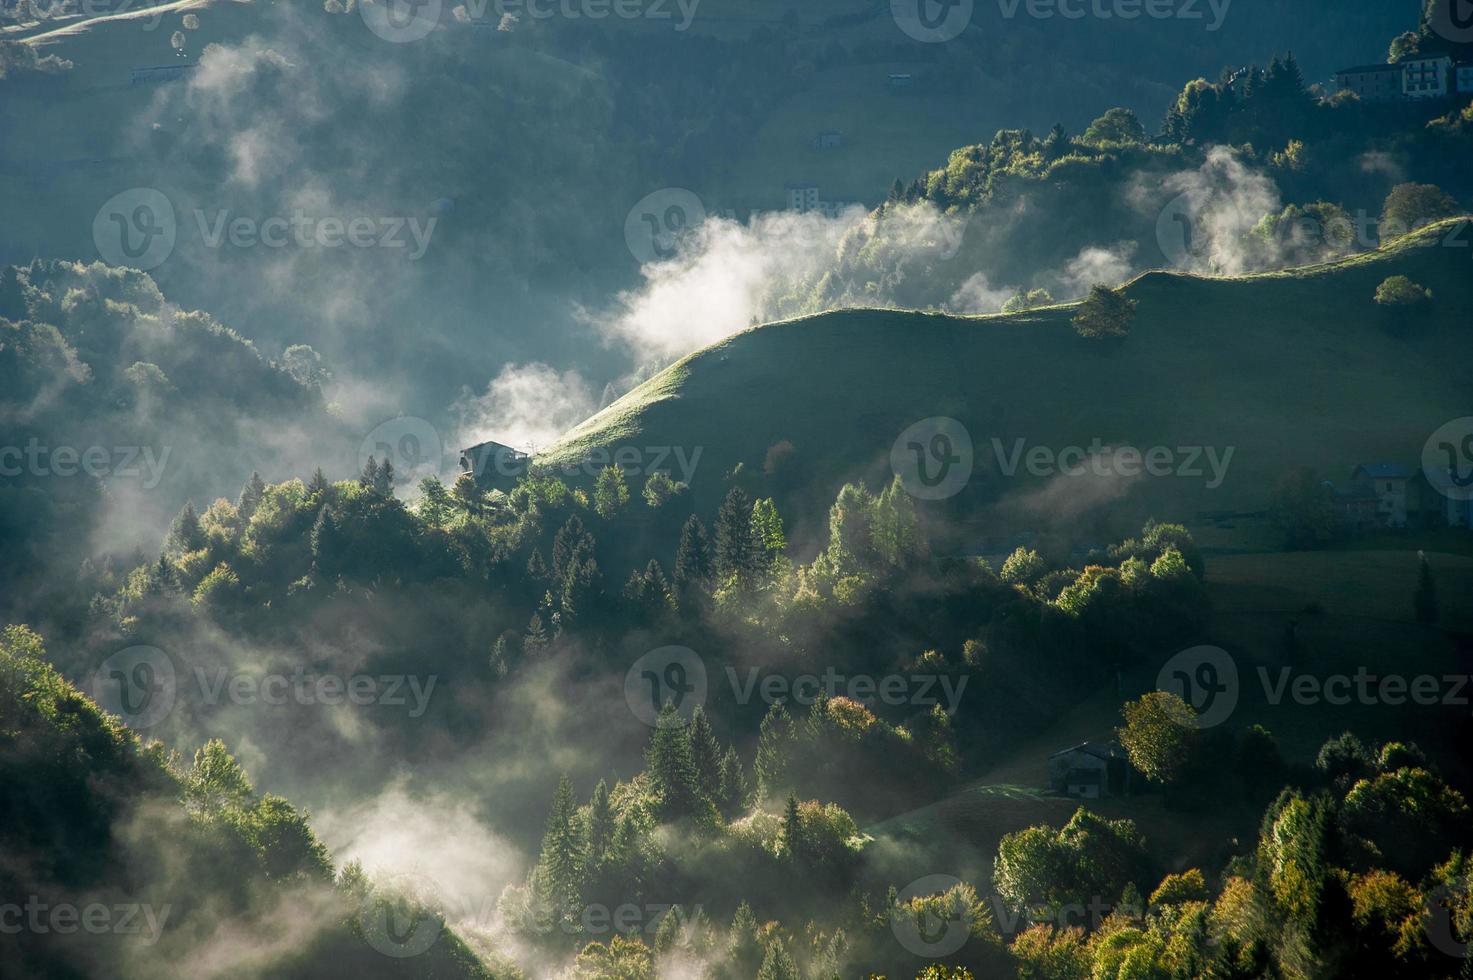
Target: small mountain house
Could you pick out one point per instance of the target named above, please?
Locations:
(495, 466)
(1090, 770)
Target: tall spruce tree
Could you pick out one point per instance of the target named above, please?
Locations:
(775, 739)
(672, 769)
(250, 497)
(706, 755)
(559, 872)
(693, 569)
(600, 827)
(778, 965)
(737, 550)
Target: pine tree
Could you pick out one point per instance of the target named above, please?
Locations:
(383, 480)
(569, 538)
(767, 528)
(1424, 602)
(328, 544)
(163, 578)
(600, 827)
(894, 526)
(706, 755)
(580, 585)
(736, 547)
(775, 740)
(319, 485)
(186, 534)
(369, 477)
(778, 965)
(735, 791)
(537, 566)
(250, 497)
(536, 637)
(692, 564)
(792, 831)
(672, 769)
(648, 593)
(558, 877)
(742, 946)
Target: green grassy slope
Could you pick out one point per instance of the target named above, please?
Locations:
(1291, 368)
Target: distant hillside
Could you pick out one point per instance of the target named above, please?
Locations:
(1288, 369)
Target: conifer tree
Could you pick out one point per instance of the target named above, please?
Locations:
(706, 755)
(792, 831)
(736, 547)
(558, 876)
(743, 949)
(600, 827)
(778, 965)
(692, 564)
(328, 544)
(672, 769)
(735, 790)
(775, 740)
(250, 497)
(186, 534)
(537, 566)
(383, 479)
(319, 484)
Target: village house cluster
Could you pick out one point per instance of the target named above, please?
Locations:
(1412, 80)
(1394, 495)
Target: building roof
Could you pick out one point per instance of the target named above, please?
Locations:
(1384, 471)
(492, 446)
(1367, 69)
(1100, 750)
